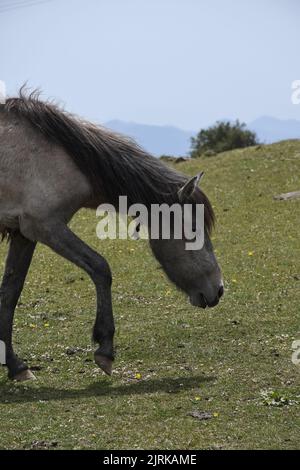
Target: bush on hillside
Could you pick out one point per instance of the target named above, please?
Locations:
(224, 135)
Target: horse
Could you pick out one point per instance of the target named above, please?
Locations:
(52, 164)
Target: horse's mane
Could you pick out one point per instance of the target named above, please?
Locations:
(111, 162)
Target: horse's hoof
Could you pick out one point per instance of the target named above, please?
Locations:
(104, 363)
(24, 375)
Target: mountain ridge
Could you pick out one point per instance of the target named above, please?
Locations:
(171, 140)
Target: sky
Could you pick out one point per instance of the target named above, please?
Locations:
(185, 63)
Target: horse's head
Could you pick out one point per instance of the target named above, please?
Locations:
(195, 271)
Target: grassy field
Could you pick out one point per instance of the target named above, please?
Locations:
(233, 361)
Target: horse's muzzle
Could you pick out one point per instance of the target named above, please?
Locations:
(199, 299)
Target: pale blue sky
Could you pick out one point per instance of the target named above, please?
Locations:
(180, 62)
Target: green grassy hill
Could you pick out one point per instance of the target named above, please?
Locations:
(172, 359)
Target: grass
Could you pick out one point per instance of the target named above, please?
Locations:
(233, 361)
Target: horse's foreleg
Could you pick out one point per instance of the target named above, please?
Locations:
(63, 241)
(17, 264)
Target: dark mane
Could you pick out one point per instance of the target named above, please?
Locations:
(112, 163)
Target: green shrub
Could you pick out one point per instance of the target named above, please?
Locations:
(221, 137)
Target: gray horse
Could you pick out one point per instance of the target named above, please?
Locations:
(51, 165)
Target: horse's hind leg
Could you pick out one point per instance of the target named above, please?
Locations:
(17, 264)
(63, 241)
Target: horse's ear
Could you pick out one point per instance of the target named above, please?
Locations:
(187, 190)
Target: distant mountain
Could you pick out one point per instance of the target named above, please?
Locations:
(269, 129)
(158, 140)
(170, 140)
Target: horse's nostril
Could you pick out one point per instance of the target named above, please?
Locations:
(221, 292)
